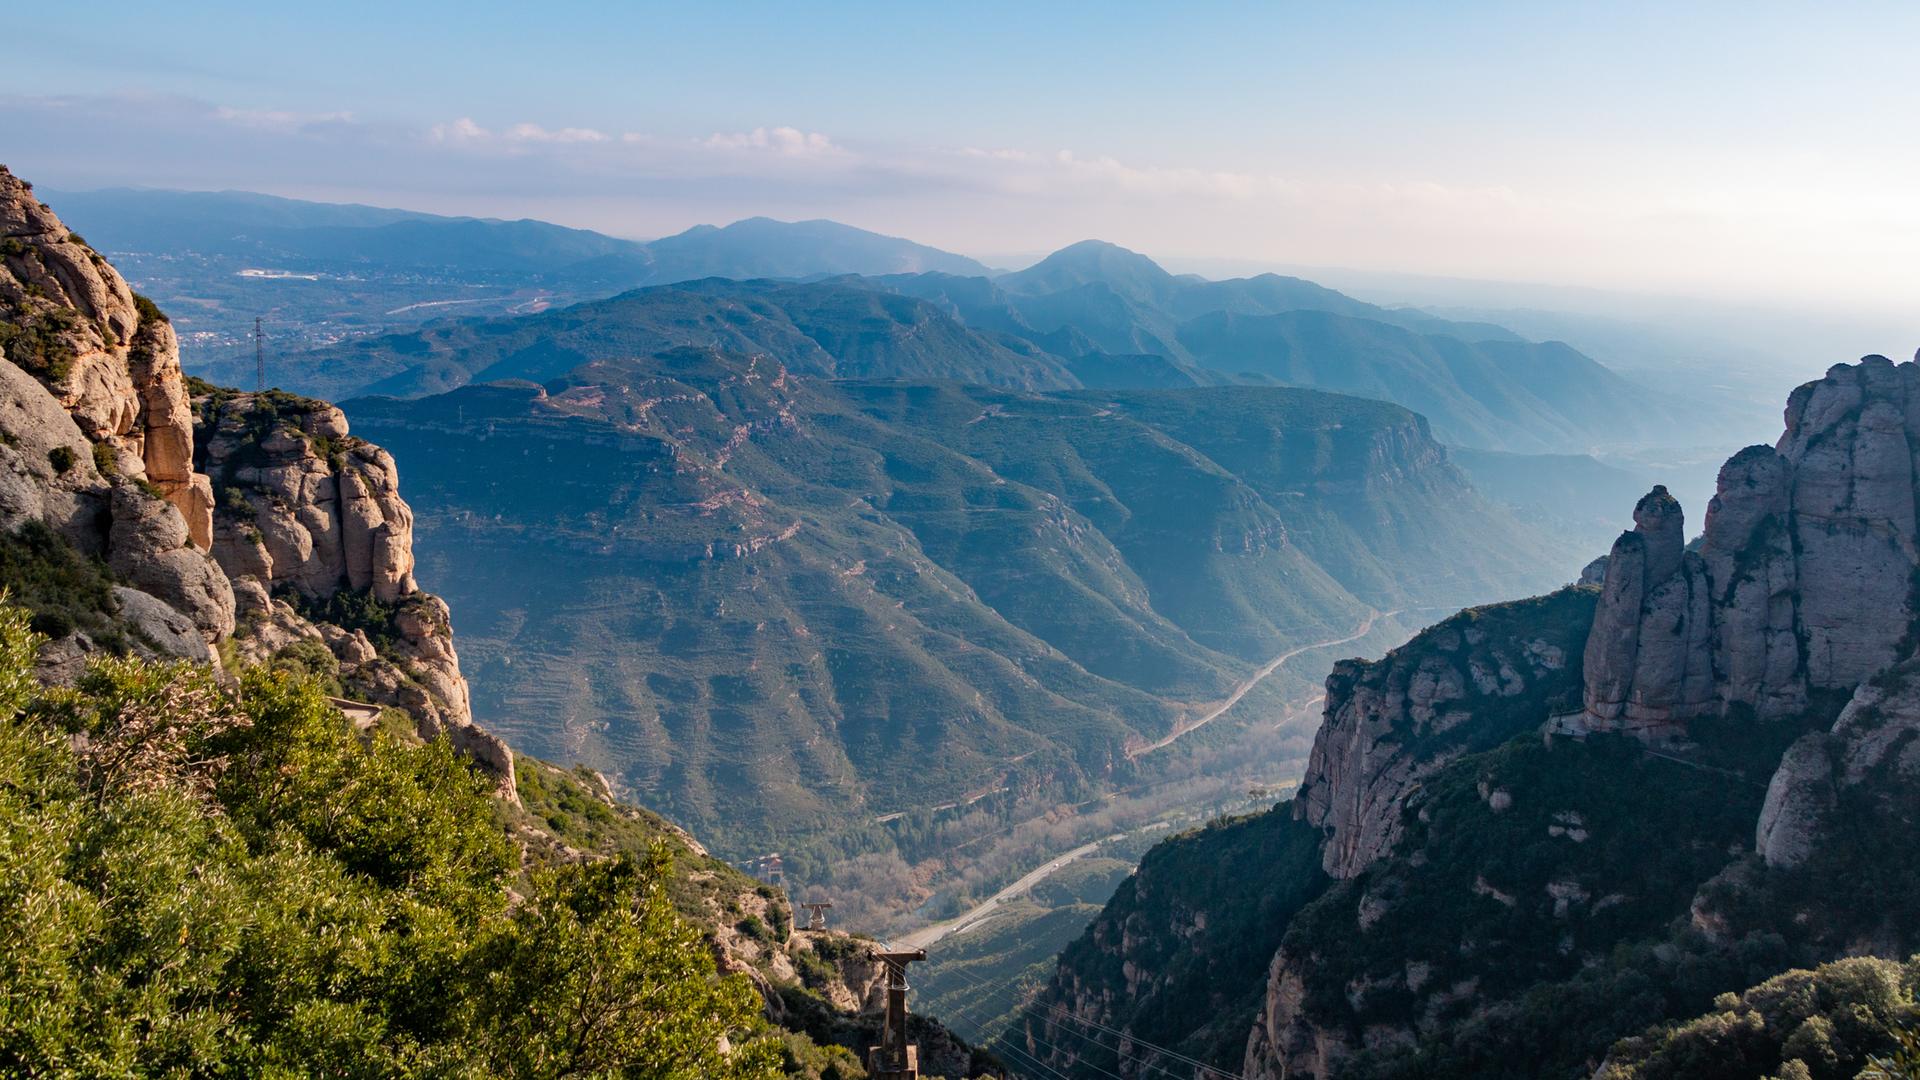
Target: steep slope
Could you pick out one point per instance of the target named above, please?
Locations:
(1500, 395)
(817, 329)
(1546, 826)
(119, 476)
(849, 599)
(197, 514)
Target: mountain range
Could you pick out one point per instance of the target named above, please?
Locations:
(1091, 314)
(1583, 834)
(844, 599)
(1112, 319)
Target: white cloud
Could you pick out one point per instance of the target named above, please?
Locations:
(277, 119)
(779, 140)
(465, 130)
(461, 130)
(536, 133)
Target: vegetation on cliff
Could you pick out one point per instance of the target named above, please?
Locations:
(206, 881)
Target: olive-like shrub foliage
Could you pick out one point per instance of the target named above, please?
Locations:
(199, 880)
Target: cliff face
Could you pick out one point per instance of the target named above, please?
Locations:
(1873, 747)
(101, 442)
(310, 523)
(99, 436)
(1532, 813)
(1804, 577)
(1800, 589)
(1467, 684)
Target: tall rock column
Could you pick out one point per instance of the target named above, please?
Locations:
(1850, 443)
(110, 359)
(1649, 661)
(1749, 553)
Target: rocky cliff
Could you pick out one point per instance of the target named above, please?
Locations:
(1552, 824)
(227, 527)
(1804, 577)
(1465, 685)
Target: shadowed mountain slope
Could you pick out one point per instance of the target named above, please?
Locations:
(837, 598)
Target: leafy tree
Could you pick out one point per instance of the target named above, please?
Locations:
(202, 881)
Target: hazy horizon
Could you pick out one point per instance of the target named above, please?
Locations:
(1735, 153)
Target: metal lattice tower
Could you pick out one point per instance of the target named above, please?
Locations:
(259, 356)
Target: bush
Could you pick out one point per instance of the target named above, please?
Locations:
(1824, 1024)
(61, 458)
(220, 882)
(105, 460)
(150, 312)
(60, 589)
(36, 339)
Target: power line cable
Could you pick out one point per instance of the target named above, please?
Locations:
(1210, 1070)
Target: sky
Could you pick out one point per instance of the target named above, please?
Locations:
(1760, 151)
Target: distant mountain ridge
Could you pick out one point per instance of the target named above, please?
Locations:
(1481, 385)
(234, 223)
(1092, 315)
(796, 588)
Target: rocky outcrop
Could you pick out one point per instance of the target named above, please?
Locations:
(108, 358)
(304, 504)
(1804, 578)
(311, 526)
(1648, 659)
(1463, 685)
(1878, 732)
(1283, 1044)
(97, 431)
(101, 441)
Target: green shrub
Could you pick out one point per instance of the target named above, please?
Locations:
(61, 458)
(150, 312)
(310, 659)
(221, 882)
(35, 338)
(105, 460)
(61, 590)
(1825, 1024)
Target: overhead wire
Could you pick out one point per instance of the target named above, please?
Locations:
(1208, 1069)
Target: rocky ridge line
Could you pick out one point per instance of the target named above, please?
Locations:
(101, 442)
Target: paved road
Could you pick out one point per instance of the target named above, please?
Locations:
(1272, 666)
(927, 935)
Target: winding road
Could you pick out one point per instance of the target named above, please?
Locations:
(1240, 691)
(927, 935)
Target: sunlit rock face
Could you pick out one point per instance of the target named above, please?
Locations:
(1803, 577)
(101, 441)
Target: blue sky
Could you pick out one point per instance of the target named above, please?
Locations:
(1752, 149)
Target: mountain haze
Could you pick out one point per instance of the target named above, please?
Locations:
(860, 597)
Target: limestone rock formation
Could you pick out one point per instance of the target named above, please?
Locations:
(101, 441)
(98, 434)
(1470, 682)
(312, 528)
(110, 360)
(149, 547)
(1878, 730)
(305, 505)
(1648, 659)
(1804, 577)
